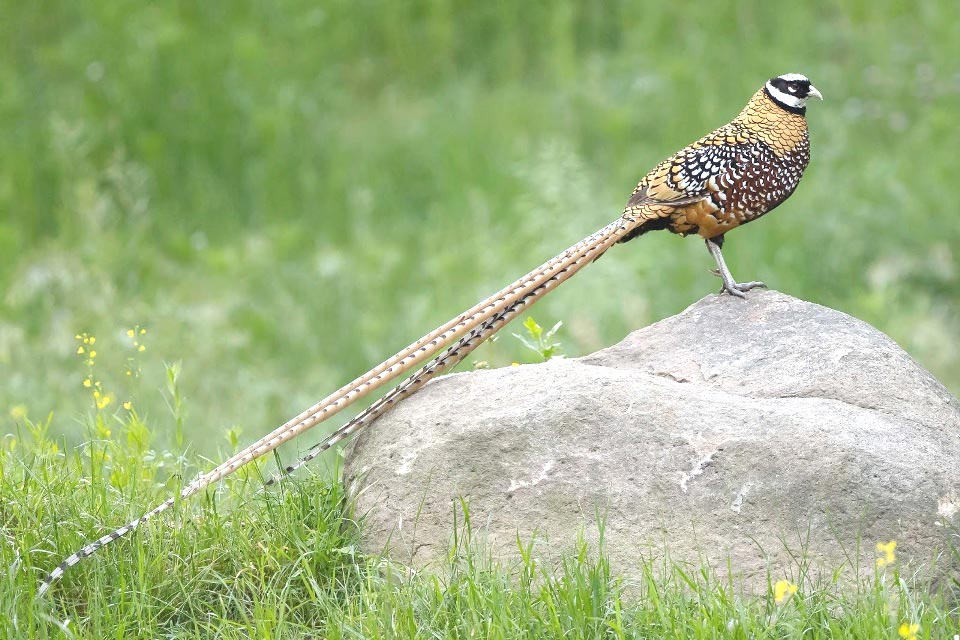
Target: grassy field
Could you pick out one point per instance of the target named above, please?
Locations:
(278, 195)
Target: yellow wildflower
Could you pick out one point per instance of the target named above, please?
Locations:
(103, 401)
(92, 339)
(87, 382)
(888, 550)
(78, 336)
(128, 405)
(143, 332)
(18, 411)
(80, 350)
(130, 332)
(141, 348)
(514, 364)
(783, 590)
(93, 354)
(908, 631)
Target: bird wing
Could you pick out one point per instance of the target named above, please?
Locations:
(692, 173)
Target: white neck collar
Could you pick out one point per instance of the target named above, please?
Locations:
(788, 99)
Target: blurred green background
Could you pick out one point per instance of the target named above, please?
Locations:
(284, 193)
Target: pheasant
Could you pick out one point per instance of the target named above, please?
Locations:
(732, 176)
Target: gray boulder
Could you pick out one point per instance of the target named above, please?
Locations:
(746, 434)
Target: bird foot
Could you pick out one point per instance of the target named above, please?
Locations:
(737, 289)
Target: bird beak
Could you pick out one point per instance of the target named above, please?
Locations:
(814, 93)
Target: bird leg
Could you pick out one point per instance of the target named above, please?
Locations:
(730, 285)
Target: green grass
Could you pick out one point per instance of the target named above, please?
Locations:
(286, 564)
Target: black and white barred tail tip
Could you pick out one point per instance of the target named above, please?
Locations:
(452, 356)
(95, 546)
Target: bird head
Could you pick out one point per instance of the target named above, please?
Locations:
(791, 91)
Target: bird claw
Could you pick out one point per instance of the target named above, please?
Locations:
(738, 289)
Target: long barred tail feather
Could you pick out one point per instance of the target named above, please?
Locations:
(446, 360)
(398, 364)
(478, 323)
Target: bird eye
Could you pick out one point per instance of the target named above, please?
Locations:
(792, 88)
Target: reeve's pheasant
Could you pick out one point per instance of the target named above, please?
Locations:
(734, 175)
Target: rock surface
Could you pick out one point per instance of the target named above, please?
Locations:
(740, 431)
